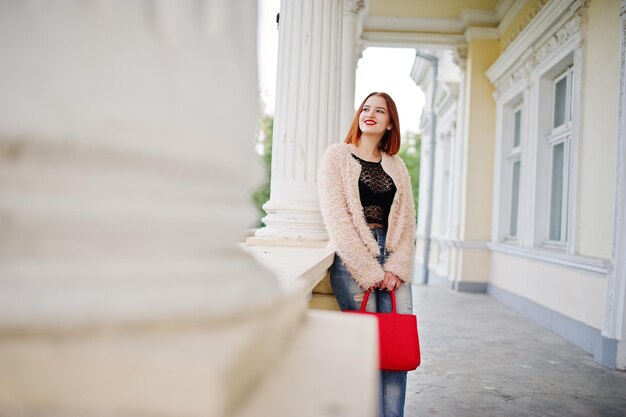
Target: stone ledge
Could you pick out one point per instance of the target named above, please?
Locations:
(330, 368)
(297, 268)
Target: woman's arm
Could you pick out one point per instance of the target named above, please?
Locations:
(400, 261)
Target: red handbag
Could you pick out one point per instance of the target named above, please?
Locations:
(398, 340)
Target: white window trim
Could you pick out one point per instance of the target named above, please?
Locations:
(444, 197)
(519, 71)
(541, 205)
(561, 134)
(615, 305)
(567, 125)
(599, 266)
(572, 47)
(563, 137)
(506, 105)
(514, 155)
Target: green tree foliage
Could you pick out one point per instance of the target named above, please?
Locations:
(410, 154)
(264, 146)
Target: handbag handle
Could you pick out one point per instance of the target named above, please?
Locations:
(367, 297)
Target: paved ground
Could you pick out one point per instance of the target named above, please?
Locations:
(481, 358)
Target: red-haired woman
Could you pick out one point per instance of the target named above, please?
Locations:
(367, 204)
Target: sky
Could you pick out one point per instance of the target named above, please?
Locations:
(380, 69)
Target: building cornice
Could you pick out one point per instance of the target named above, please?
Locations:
(412, 24)
(527, 19)
(472, 33)
(504, 7)
(467, 18)
(551, 28)
(509, 14)
(471, 17)
(411, 39)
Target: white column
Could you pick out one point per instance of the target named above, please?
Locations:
(126, 156)
(307, 115)
(460, 58)
(615, 311)
(351, 10)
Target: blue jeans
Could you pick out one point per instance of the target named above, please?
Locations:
(350, 296)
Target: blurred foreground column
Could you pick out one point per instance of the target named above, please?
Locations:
(126, 160)
(307, 118)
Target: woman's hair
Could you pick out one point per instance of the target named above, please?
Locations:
(390, 142)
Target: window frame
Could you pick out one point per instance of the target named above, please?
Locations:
(514, 156)
(557, 135)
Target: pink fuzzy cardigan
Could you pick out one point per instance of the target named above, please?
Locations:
(342, 211)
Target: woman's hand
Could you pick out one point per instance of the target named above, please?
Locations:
(390, 282)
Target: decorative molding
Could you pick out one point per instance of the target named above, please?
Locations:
(580, 6)
(531, 58)
(507, 10)
(616, 285)
(353, 6)
(419, 72)
(518, 50)
(525, 22)
(449, 97)
(459, 55)
(556, 41)
(520, 75)
(600, 266)
(359, 47)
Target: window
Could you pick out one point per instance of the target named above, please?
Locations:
(558, 139)
(445, 183)
(517, 128)
(514, 200)
(515, 163)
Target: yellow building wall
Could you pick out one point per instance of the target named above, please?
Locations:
(479, 142)
(475, 265)
(571, 292)
(598, 139)
(427, 8)
(576, 293)
(472, 265)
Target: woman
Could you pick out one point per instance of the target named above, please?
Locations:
(367, 205)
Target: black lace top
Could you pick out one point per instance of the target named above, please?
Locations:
(377, 190)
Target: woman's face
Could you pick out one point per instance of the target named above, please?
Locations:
(374, 118)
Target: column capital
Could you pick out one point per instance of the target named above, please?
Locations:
(353, 6)
(459, 54)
